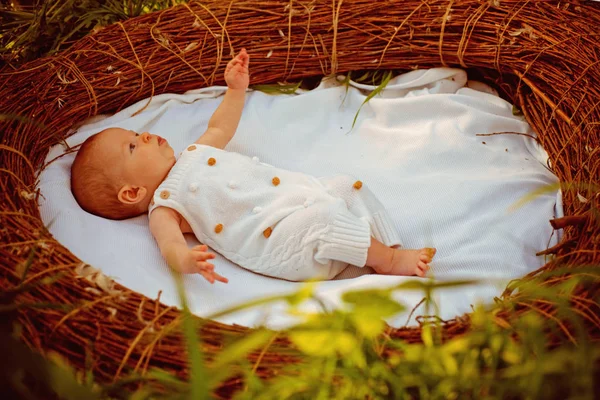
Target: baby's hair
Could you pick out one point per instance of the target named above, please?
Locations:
(95, 188)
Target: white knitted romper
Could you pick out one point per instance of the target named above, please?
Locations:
(272, 221)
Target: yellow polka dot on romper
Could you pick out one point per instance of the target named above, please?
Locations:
(218, 228)
(191, 148)
(164, 194)
(267, 232)
(152, 202)
(276, 181)
(357, 185)
(212, 161)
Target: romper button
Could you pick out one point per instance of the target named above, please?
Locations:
(255, 159)
(191, 148)
(232, 184)
(212, 161)
(276, 181)
(218, 228)
(357, 185)
(256, 210)
(309, 202)
(267, 232)
(193, 187)
(164, 194)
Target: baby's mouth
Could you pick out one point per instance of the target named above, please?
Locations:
(160, 141)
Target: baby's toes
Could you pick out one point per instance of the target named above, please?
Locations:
(421, 269)
(427, 254)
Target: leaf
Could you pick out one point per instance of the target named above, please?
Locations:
(365, 76)
(369, 308)
(386, 78)
(141, 394)
(427, 285)
(581, 198)
(449, 362)
(368, 325)
(369, 296)
(190, 47)
(512, 356)
(241, 348)
(234, 353)
(346, 83)
(278, 88)
(427, 335)
(516, 111)
(457, 345)
(50, 377)
(167, 379)
(322, 342)
(198, 379)
(41, 305)
(22, 269)
(8, 295)
(63, 382)
(306, 292)
(534, 194)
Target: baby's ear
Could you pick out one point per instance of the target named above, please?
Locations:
(131, 194)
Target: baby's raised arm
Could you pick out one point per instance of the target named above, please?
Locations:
(224, 122)
(165, 227)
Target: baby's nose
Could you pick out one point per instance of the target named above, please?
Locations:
(145, 137)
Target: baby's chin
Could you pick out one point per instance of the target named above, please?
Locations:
(170, 150)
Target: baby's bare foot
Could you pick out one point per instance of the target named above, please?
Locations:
(408, 262)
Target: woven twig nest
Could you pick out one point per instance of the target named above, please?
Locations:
(544, 56)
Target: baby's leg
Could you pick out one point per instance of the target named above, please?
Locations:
(388, 261)
(365, 205)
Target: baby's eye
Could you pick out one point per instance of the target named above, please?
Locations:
(131, 147)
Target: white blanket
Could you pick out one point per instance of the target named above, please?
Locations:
(417, 148)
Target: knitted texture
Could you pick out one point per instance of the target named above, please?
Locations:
(272, 221)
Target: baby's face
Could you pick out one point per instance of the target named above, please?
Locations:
(138, 159)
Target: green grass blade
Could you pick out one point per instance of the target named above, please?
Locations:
(198, 379)
(278, 88)
(346, 83)
(28, 263)
(386, 78)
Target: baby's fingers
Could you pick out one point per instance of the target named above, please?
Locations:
(220, 278)
(209, 276)
(231, 63)
(202, 255)
(204, 266)
(242, 57)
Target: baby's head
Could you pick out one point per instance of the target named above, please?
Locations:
(116, 172)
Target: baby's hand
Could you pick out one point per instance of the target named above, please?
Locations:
(195, 261)
(236, 73)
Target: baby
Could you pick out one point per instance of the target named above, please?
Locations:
(269, 220)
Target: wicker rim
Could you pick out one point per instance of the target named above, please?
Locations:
(544, 56)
